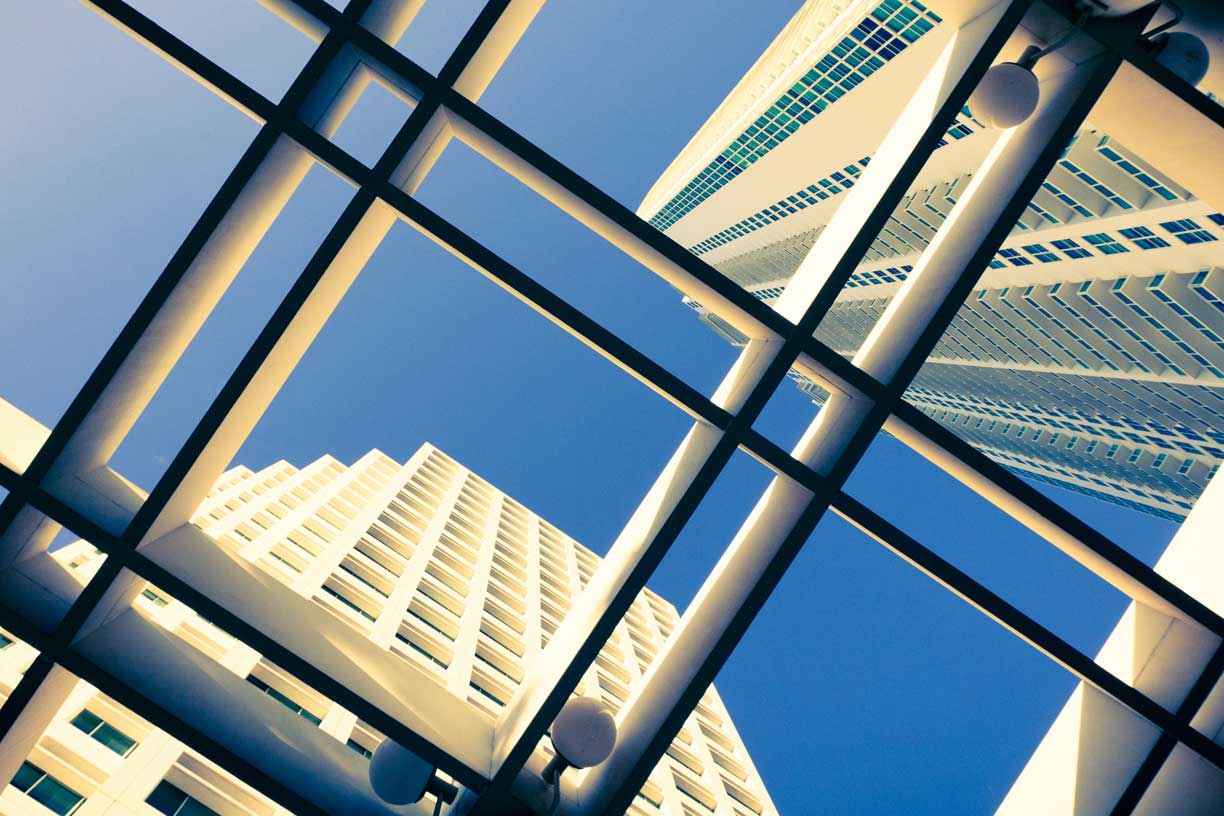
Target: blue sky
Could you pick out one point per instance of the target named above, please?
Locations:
(862, 688)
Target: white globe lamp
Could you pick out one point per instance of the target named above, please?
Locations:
(398, 776)
(1182, 53)
(1006, 96)
(583, 735)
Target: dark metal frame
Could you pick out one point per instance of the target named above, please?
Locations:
(437, 96)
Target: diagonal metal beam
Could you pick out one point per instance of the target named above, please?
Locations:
(846, 429)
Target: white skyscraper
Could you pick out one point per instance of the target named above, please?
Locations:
(1091, 353)
(425, 559)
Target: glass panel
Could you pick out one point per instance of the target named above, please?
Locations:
(235, 323)
(26, 776)
(115, 146)
(244, 37)
(114, 739)
(546, 244)
(55, 796)
(87, 721)
(166, 798)
(193, 808)
(859, 643)
(435, 31)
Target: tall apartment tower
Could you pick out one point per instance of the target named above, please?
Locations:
(1091, 355)
(452, 575)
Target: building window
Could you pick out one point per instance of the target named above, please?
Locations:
(1013, 257)
(5, 641)
(172, 801)
(1072, 249)
(348, 603)
(46, 790)
(103, 732)
(1105, 243)
(154, 597)
(1143, 238)
(282, 699)
(1042, 254)
(359, 748)
(1187, 231)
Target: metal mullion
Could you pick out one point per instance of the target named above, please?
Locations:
(200, 233)
(150, 571)
(161, 718)
(392, 60)
(1033, 633)
(1054, 513)
(133, 331)
(552, 306)
(397, 63)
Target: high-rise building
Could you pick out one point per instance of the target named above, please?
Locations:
(1090, 355)
(427, 560)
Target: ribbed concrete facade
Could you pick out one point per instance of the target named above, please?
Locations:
(1092, 353)
(425, 559)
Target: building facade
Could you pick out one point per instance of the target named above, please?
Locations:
(1091, 353)
(427, 560)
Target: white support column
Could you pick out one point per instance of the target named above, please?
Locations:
(1095, 745)
(759, 539)
(50, 696)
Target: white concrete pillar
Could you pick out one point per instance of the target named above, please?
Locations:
(757, 543)
(50, 696)
(1095, 745)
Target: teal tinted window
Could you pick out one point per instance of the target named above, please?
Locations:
(170, 800)
(844, 67)
(359, 748)
(103, 732)
(45, 789)
(284, 700)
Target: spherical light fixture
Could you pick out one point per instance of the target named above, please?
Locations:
(399, 776)
(583, 735)
(1182, 53)
(1006, 96)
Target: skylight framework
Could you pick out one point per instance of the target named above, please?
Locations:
(63, 479)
